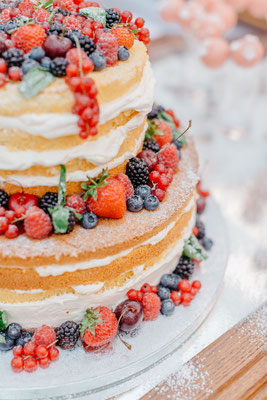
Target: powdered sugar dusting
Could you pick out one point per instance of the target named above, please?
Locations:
(256, 326)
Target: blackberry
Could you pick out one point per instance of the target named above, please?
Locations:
(156, 109)
(112, 17)
(58, 66)
(201, 229)
(151, 144)
(56, 28)
(67, 335)
(137, 171)
(49, 200)
(3, 199)
(72, 222)
(86, 43)
(185, 267)
(13, 57)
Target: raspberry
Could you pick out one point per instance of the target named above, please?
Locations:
(124, 36)
(169, 156)
(107, 45)
(15, 74)
(26, 8)
(124, 179)
(40, 16)
(77, 203)
(44, 336)
(29, 36)
(5, 16)
(72, 23)
(66, 5)
(151, 305)
(37, 223)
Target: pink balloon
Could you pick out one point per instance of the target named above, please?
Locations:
(247, 51)
(215, 52)
(170, 8)
(258, 8)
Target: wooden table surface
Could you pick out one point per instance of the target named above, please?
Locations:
(234, 367)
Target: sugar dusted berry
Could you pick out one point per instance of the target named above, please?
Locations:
(150, 158)
(17, 364)
(184, 286)
(77, 203)
(124, 179)
(68, 334)
(44, 335)
(137, 171)
(112, 17)
(124, 36)
(135, 203)
(98, 60)
(169, 157)
(185, 267)
(13, 57)
(123, 53)
(53, 353)
(151, 305)
(170, 281)
(151, 203)
(4, 198)
(30, 364)
(107, 45)
(37, 223)
(176, 297)
(143, 191)
(29, 36)
(167, 307)
(58, 66)
(129, 314)
(163, 293)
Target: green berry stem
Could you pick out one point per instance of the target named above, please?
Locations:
(3, 320)
(62, 186)
(93, 184)
(187, 129)
(90, 321)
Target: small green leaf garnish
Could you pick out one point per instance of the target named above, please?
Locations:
(93, 184)
(193, 249)
(35, 81)
(3, 320)
(152, 130)
(90, 321)
(96, 13)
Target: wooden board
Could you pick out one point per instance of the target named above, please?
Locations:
(234, 367)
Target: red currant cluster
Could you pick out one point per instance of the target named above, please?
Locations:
(187, 291)
(29, 357)
(13, 73)
(142, 33)
(85, 91)
(161, 178)
(137, 295)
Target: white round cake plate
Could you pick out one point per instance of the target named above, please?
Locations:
(78, 374)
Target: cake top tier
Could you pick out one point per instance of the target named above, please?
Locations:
(42, 42)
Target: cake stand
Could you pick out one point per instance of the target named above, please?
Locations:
(99, 375)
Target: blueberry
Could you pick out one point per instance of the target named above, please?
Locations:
(134, 203)
(14, 331)
(6, 343)
(89, 220)
(37, 53)
(11, 25)
(123, 53)
(45, 62)
(28, 65)
(170, 281)
(163, 293)
(98, 60)
(178, 144)
(143, 191)
(167, 307)
(151, 203)
(24, 338)
(207, 243)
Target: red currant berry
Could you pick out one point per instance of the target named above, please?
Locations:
(154, 289)
(83, 134)
(144, 32)
(154, 176)
(146, 288)
(87, 114)
(139, 295)
(201, 192)
(3, 80)
(176, 297)
(18, 351)
(186, 299)
(196, 284)
(53, 353)
(41, 352)
(93, 131)
(72, 70)
(193, 292)
(17, 364)
(3, 66)
(160, 168)
(3, 224)
(12, 232)
(2, 211)
(10, 215)
(184, 286)
(139, 22)
(195, 230)
(163, 182)
(20, 211)
(159, 193)
(132, 294)
(88, 66)
(30, 364)
(29, 348)
(15, 73)
(126, 16)
(44, 362)
(201, 205)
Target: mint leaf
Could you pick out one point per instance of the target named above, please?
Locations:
(3, 320)
(60, 218)
(193, 249)
(62, 186)
(96, 13)
(35, 81)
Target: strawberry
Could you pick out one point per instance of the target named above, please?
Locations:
(107, 45)
(37, 223)
(99, 327)
(151, 305)
(129, 189)
(124, 36)
(77, 203)
(28, 36)
(169, 156)
(71, 23)
(160, 131)
(22, 200)
(26, 8)
(105, 196)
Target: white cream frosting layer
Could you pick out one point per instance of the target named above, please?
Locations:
(57, 309)
(53, 125)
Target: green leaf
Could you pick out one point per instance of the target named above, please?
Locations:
(93, 184)
(77, 215)
(60, 218)
(62, 186)
(90, 321)
(3, 320)
(35, 81)
(193, 249)
(96, 13)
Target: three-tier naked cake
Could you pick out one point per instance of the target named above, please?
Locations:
(76, 86)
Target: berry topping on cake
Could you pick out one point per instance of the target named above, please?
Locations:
(45, 335)
(67, 335)
(29, 36)
(22, 200)
(135, 203)
(112, 17)
(89, 220)
(129, 314)
(99, 327)
(138, 172)
(4, 198)
(76, 203)
(185, 267)
(107, 45)
(124, 36)
(151, 306)
(37, 223)
(167, 307)
(124, 179)
(151, 144)
(48, 200)
(168, 156)
(13, 57)
(123, 53)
